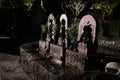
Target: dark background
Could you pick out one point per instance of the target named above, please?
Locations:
(24, 26)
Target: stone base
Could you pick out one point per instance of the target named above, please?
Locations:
(76, 59)
(39, 67)
(82, 48)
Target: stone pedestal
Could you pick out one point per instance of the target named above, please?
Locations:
(82, 48)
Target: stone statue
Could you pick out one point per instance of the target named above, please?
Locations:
(50, 36)
(63, 34)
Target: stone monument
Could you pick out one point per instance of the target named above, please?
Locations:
(86, 34)
(63, 22)
(50, 31)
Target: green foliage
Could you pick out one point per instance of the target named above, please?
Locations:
(28, 4)
(43, 28)
(15, 4)
(75, 6)
(55, 30)
(114, 29)
(72, 31)
(0, 3)
(106, 5)
(110, 30)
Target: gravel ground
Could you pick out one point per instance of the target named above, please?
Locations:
(10, 69)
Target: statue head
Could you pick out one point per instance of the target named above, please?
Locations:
(50, 21)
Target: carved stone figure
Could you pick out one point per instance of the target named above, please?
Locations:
(63, 30)
(50, 35)
(50, 25)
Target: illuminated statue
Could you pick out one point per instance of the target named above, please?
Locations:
(50, 33)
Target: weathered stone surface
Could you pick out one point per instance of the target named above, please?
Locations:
(76, 59)
(10, 69)
(38, 66)
(104, 76)
(109, 48)
(110, 44)
(82, 48)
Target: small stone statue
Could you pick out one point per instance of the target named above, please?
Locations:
(63, 36)
(62, 30)
(50, 30)
(49, 35)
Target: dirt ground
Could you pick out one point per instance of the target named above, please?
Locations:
(10, 69)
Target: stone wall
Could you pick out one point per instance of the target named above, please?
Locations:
(39, 67)
(109, 47)
(72, 58)
(75, 59)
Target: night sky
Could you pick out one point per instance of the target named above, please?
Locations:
(53, 6)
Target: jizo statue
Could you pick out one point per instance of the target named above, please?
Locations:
(63, 42)
(63, 34)
(50, 27)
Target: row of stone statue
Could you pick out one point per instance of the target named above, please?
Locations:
(86, 33)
